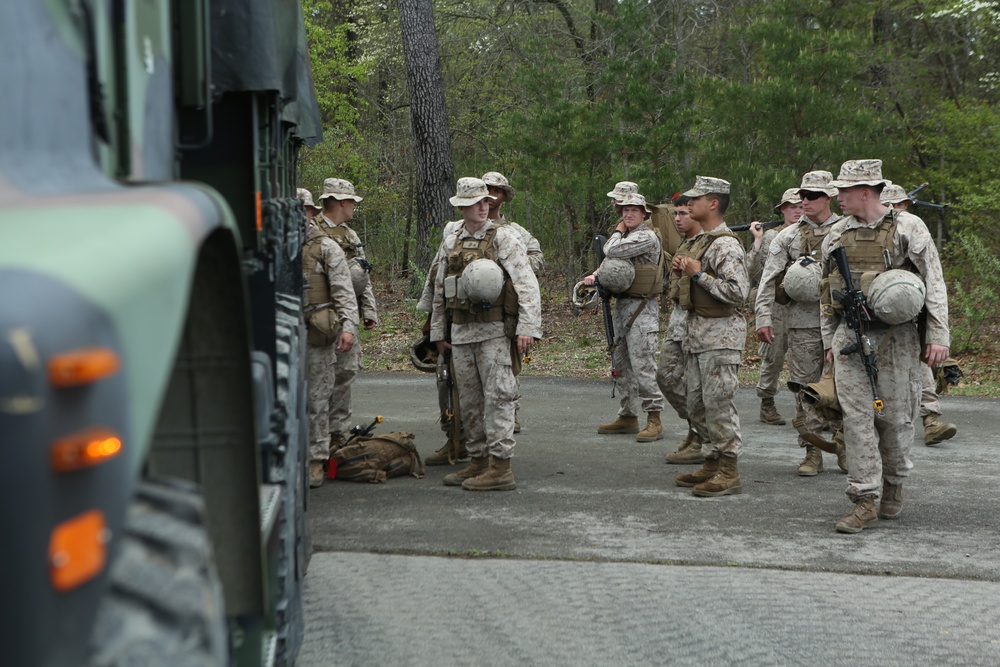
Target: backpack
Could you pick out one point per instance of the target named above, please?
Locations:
(375, 459)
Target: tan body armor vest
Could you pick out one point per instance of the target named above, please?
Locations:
(648, 281)
(691, 295)
(462, 310)
(674, 291)
(342, 235)
(321, 318)
(869, 254)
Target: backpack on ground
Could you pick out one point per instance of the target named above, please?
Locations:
(374, 459)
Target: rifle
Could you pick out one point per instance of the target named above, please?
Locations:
(770, 224)
(609, 323)
(452, 413)
(912, 194)
(857, 314)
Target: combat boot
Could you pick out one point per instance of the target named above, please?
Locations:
(937, 431)
(624, 424)
(891, 505)
(725, 482)
(703, 474)
(476, 466)
(653, 430)
(838, 438)
(863, 514)
(769, 413)
(317, 473)
(812, 465)
(689, 450)
(440, 456)
(498, 477)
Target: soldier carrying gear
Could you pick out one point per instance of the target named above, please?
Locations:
(479, 340)
(331, 311)
(876, 239)
(635, 245)
(714, 341)
(791, 277)
(338, 201)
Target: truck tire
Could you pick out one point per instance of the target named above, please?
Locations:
(293, 437)
(164, 603)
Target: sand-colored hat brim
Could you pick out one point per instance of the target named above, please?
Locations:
(340, 197)
(469, 201)
(843, 185)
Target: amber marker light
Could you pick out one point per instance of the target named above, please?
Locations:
(85, 449)
(83, 366)
(78, 550)
(258, 211)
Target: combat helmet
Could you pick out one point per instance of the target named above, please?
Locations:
(424, 354)
(584, 297)
(616, 275)
(897, 296)
(482, 282)
(802, 280)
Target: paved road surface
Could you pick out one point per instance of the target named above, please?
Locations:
(598, 558)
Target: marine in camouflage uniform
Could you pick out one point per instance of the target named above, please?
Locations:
(935, 430)
(338, 201)
(801, 319)
(331, 311)
(479, 344)
(878, 446)
(500, 188)
(713, 285)
(670, 369)
(636, 321)
(772, 354)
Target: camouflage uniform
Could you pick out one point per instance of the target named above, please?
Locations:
(878, 447)
(348, 365)
(322, 359)
(714, 346)
(805, 342)
(635, 352)
(481, 352)
(670, 369)
(772, 355)
(426, 303)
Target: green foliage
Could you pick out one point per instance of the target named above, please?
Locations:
(976, 308)
(566, 97)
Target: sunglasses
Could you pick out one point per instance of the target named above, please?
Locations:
(812, 196)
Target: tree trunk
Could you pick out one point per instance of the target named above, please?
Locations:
(429, 120)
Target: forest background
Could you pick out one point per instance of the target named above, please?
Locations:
(566, 97)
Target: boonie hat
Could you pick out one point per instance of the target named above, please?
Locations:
(894, 194)
(305, 196)
(498, 180)
(790, 196)
(704, 185)
(859, 172)
(470, 191)
(818, 181)
(635, 199)
(338, 188)
(623, 188)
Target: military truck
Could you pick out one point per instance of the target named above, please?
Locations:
(152, 395)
